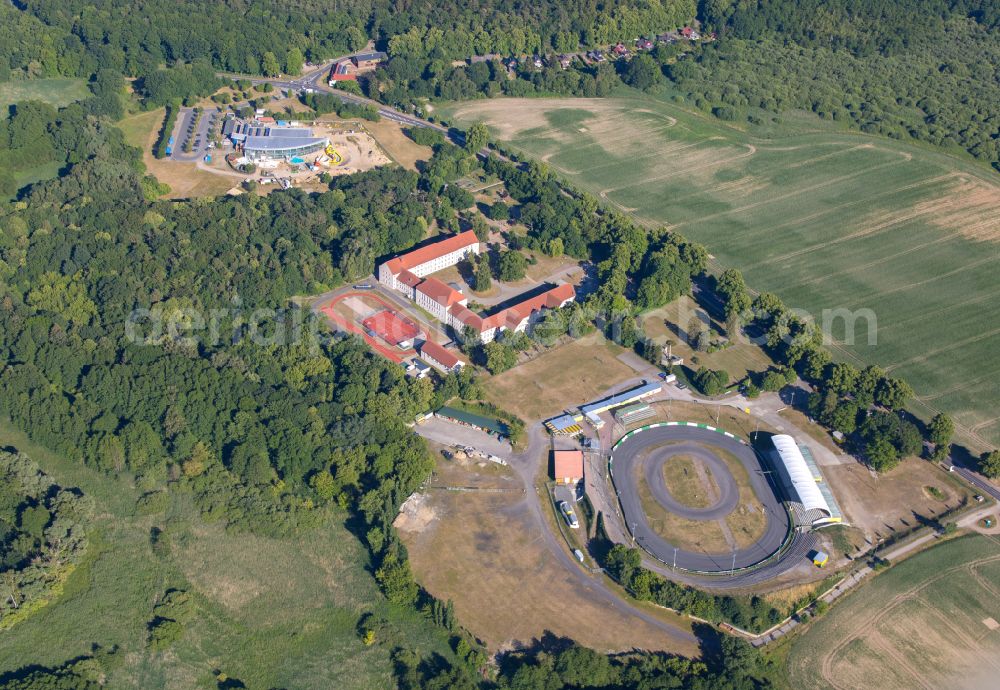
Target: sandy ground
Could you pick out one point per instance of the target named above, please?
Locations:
(359, 150)
(400, 147)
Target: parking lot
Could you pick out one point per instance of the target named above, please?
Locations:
(451, 434)
(196, 130)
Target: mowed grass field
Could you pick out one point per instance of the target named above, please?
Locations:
(271, 612)
(671, 321)
(827, 219)
(564, 377)
(929, 622)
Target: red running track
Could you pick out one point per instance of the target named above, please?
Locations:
(391, 353)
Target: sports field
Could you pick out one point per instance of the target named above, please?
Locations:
(693, 484)
(827, 219)
(930, 622)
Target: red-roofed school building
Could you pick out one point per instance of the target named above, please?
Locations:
(440, 357)
(405, 274)
(428, 259)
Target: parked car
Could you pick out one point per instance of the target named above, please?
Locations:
(569, 515)
(362, 286)
(579, 554)
(682, 385)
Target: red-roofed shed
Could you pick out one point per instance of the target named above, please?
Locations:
(567, 466)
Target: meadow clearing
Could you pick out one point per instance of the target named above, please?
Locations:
(827, 219)
(185, 180)
(55, 92)
(929, 622)
(271, 612)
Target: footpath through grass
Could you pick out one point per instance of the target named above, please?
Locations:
(272, 613)
(901, 237)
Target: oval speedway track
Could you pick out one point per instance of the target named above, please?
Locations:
(640, 449)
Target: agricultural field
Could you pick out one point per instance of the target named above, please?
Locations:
(827, 219)
(271, 612)
(929, 622)
(55, 92)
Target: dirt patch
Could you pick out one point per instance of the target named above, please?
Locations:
(359, 151)
(690, 482)
(415, 514)
(896, 501)
(484, 552)
(400, 147)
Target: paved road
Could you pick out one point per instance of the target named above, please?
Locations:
(633, 453)
(527, 465)
(978, 480)
(892, 554)
(316, 79)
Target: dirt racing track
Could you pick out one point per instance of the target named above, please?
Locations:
(644, 451)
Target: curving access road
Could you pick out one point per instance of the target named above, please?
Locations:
(643, 451)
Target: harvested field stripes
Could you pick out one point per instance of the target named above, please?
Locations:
(825, 184)
(616, 162)
(930, 627)
(825, 219)
(750, 235)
